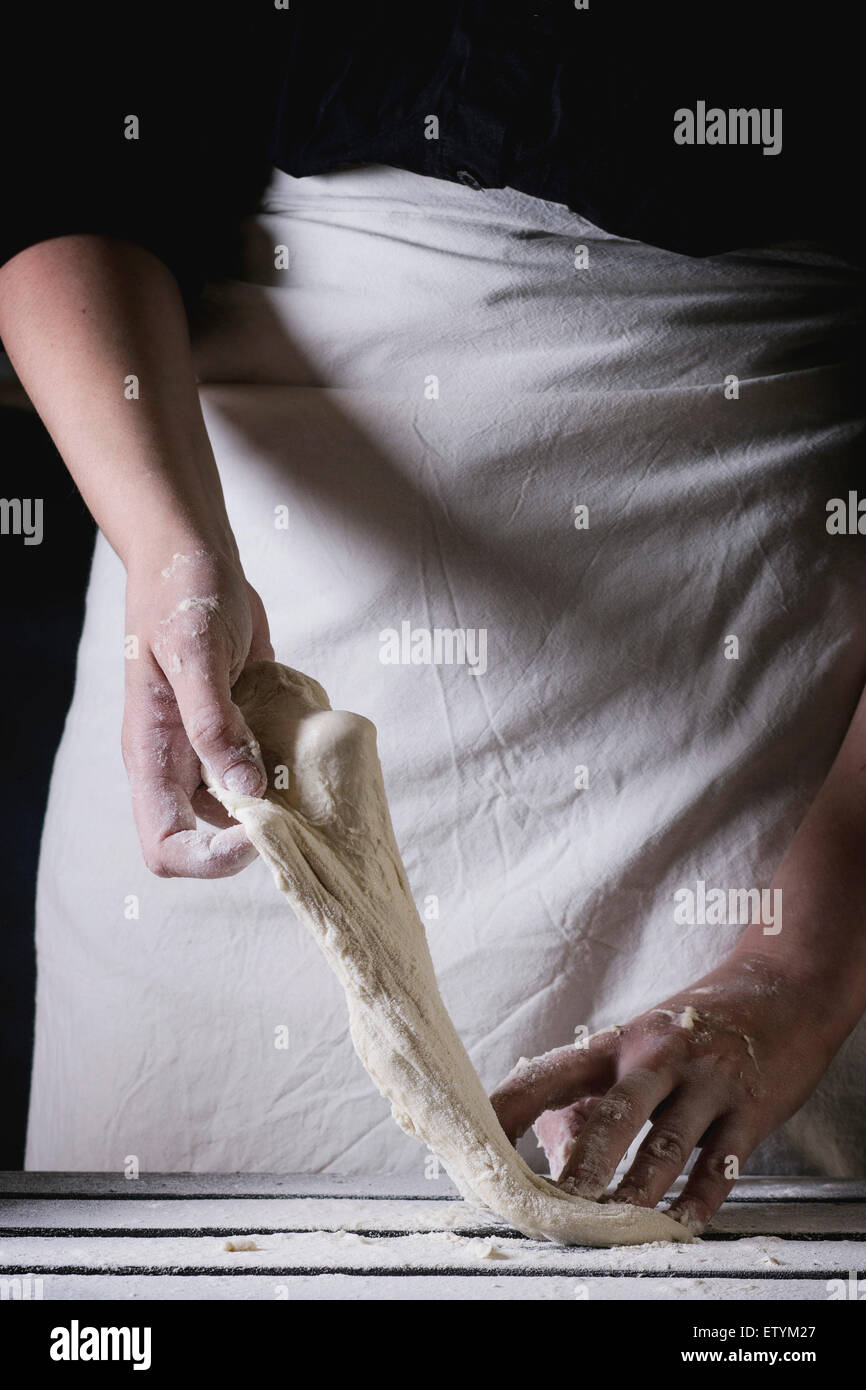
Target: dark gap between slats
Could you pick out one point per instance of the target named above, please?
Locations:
(335, 1197)
(178, 1232)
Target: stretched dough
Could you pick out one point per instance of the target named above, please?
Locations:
(329, 842)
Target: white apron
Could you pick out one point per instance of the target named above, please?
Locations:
(433, 386)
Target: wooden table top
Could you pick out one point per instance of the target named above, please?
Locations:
(322, 1236)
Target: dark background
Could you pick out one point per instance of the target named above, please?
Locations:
(43, 603)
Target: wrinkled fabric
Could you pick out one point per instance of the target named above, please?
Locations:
(431, 388)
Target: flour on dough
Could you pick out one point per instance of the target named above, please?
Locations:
(329, 842)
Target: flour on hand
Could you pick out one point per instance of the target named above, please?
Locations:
(329, 842)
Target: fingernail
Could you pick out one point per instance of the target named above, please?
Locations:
(689, 1218)
(244, 778)
(591, 1192)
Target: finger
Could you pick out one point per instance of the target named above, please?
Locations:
(663, 1154)
(557, 1131)
(215, 727)
(553, 1081)
(721, 1159)
(208, 809)
(614, 1123)
(172, 845)
(260, 644)
(261, 649)
(163, 772)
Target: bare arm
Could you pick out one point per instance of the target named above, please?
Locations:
(722, 1063)
(79, 317)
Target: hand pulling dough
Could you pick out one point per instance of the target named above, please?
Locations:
(329, 842)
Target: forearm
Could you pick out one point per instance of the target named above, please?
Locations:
(79, 316)
(822, 879)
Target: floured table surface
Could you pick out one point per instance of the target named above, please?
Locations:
(97, 1235)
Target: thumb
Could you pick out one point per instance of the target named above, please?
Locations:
(557, 1132)
(218, 732)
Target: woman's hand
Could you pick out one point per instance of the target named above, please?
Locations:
(716, 1067)
(721, 1064)
(195, 624)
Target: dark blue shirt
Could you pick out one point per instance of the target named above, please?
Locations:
(577, 106)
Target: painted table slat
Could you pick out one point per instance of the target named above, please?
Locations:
(323, 1236)
(215, 1216)
(425, 1288)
